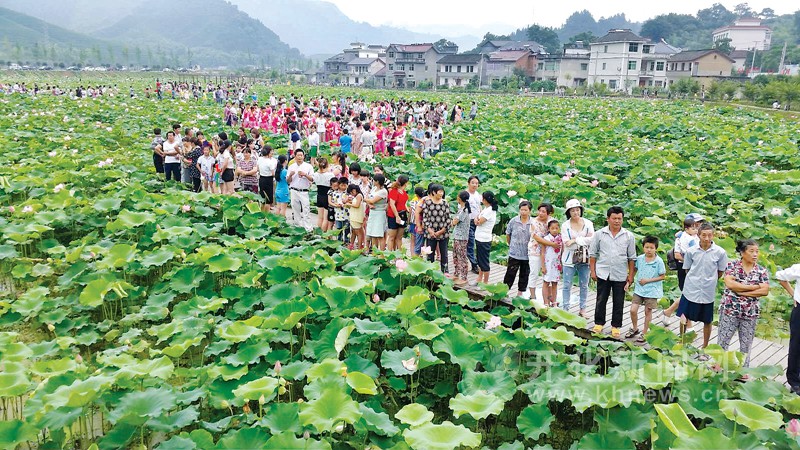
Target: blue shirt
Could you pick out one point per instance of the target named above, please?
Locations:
(652, 269)
(345, 142)
(703, 268)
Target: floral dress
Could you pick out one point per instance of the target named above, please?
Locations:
(552, 259)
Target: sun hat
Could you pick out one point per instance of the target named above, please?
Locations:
(697, 217)
(573, 203)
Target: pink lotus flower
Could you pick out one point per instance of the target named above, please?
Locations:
(11, 209)
(79, 358)
(571, 162)
(410, 364)
(594, 183)
(425, 251)
(376, 298)
(659, 179)
(186, 208)
(494, 147)
(278, 367)
(793, 428)
(772, 247)
(565, 178)
(401, 265)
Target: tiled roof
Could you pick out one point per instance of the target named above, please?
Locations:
(693, 55)
(464, 58)
(507, 55)
(737, 54)
(362, 61)
(336, 58)
(413, 48)
(620, 36)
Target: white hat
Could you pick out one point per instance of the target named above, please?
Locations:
(573, 203)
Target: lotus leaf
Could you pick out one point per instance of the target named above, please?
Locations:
(479, 405)
(414, 415)
(444, 436)
(331, 408)
(754, 417)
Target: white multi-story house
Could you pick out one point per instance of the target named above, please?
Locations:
(568, 69)
(360, 70)
(623, 60)
(459, 70)
(746, 33)
(336, 68)
(408, 65)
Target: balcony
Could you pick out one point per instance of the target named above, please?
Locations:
(409, 60)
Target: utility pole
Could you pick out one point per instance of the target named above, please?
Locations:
(753, 62)
(781, 66)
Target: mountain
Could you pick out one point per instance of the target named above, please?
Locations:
(316, 26)
(171, 32)
(28, 40)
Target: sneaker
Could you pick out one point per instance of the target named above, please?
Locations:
(526, 295)
(631, 333)
(703, 357)
(597, 329)
(666, 320)
(615, 333)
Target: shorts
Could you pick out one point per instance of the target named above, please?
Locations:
(483, 249)
(227, 175)
(651, 303)
(696, 312)
(356, 225)
(393, 224)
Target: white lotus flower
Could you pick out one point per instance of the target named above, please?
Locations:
(52, 154)
(512, 193)
(67, 138)
(410, 364)
(776, 211)
(27, 209)
(59, 187)
(493, 323)
(473, 161)
(729, 211)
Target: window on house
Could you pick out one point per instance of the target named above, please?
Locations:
(419, 55)
(604, 66)
(659, 83)
(411, 67)
(550, 65)
(584, 66)
(647, 48)
(458, 68)
(612, 84)
(391, 54)
(402, 67)
(631, 65)
(633, 47)
(602, 81)
(605, 49)
(391, 66)
(470, 69)
(683, 66)
(426, 68)
(660, 66)
(541, 66)
(652, 65)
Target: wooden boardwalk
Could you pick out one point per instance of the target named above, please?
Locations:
(762, 352)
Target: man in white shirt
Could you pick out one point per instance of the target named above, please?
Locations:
(436, 138)
(299, 177)
(367, 143)
(172, 160)
(320, 121)
(785, 277)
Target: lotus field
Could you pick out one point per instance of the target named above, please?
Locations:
(135, 315)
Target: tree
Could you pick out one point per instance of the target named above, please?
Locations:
(723, 45)
(545, 36)
(579, 22)
(767, 13)
(716, 16)
(743, 10)
(586, 37)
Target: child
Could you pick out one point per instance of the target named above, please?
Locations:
(294, 139)
(426, 145)
(341, 219)
(282, 189)
(460, 238)
(648, 287)
(313, 147)
(205, 164)
(684, 241)
(346, 141)
(417, 239)
(356, 205)
(330, 210)
(551, 264)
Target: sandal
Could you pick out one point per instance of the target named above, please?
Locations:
(640, 339)
(631, 333)
(597, 329)
(615, 333)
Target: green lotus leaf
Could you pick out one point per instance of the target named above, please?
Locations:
(707, 438)
(223, 263)
(479, 405)
(348, 283)
(280, 417)
(534, 420)
(558, 336)
(376, 421)
(107, 204)
(341, 338)
(761, 392)
(656, 375)
(419, 266)
(605, 441)
(414, 415)
(79, 393)
(238, 331)
(366, 326)
(137, 407)
(407, 303)
(158, 257)
(325, 368)
(459, 296)
(755, 417)
(498, 383)
(13, 380)
(731, 360)
(632, 423)
(421, 356)
(8, 252)
(461, 347)
(129, 219)
(174, 421)
(95, 291)
(250, 438)
(425, 330)
(177, 443)
(567, 318)
(445, 436)
(159, 367)
(31, 301)
(253, 390)
(14, 432)
(604, 392)
(675, 419)
(333, 407)
(361, 383)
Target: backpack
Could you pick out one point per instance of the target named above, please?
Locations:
(672, 263)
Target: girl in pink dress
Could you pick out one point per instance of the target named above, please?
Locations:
(380, 143)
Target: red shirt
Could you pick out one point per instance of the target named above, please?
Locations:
(400, 201)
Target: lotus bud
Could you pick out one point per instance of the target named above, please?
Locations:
(400, 265)
(27, 209)
(299, 325)
(343, 372)
(376, 298)
(278, 367)
(339, 428)
(210, 321)
(281, 390)
(306, 435)
(793, 428)
(186, 208)
(246, 409)
(79, 358)
(416, 351)
(300, 400)
(51, 327)
(772, 247)
(225, 404)
(262, 400)
(127, 342)
(11, 209)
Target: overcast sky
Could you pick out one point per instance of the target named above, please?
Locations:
(513, 14)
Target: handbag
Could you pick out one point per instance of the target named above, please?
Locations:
(672, 263)
(581, 253)
(403, 215)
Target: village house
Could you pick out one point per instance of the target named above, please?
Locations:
(409, 65)
(568, 69)
(623, 60)
(336, 69)
(747, 33)
(705, 66)
(501, 64)
(459, 70)
(495, 45)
